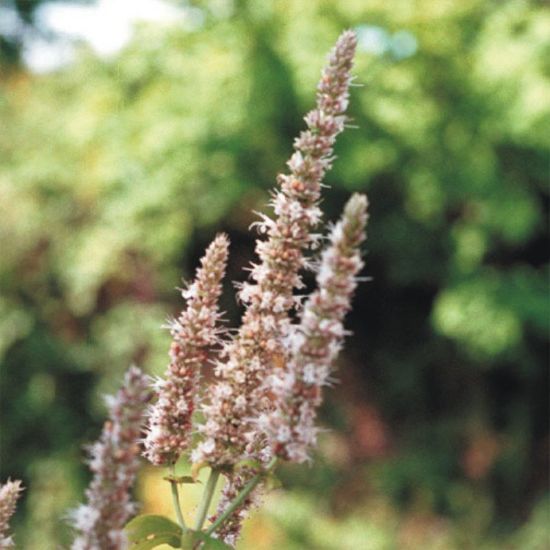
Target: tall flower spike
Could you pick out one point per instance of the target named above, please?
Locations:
(194, 332)
(317, 340)
(238, 396)
(9, 493)
(114, 462)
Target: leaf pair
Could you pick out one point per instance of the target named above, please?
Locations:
(149, 531)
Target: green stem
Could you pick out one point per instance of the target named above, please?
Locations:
(206, 498)
(239, 499)
(176, 499)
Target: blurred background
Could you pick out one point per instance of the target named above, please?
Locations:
(133, 131)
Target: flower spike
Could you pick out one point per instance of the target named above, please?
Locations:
(317, 339)
(239, 396)
(194, 332)
(114, 462)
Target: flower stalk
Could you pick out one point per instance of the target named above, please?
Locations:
(176, 498)
(207, 498)
(114, 461)
(194, 333)
(239, 394)
(241, 497)
(317, 340)
(241, 407)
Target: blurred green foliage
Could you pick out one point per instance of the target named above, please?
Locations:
(115, 173)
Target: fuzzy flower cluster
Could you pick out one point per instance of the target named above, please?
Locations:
(9, 493)
(114, 460)
(194, 332)
(316, 341)
(238, 395)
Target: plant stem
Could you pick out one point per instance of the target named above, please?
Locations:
(239, 499)
(207, 498)
(176, 499)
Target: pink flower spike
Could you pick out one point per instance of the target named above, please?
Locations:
(194, 332)
(230, 431)
(316, 341)
(114, 461)
(9, 493)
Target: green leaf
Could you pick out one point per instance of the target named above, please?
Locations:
(187, 479)
(190, 539)
(181, 479)
(149, 531)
